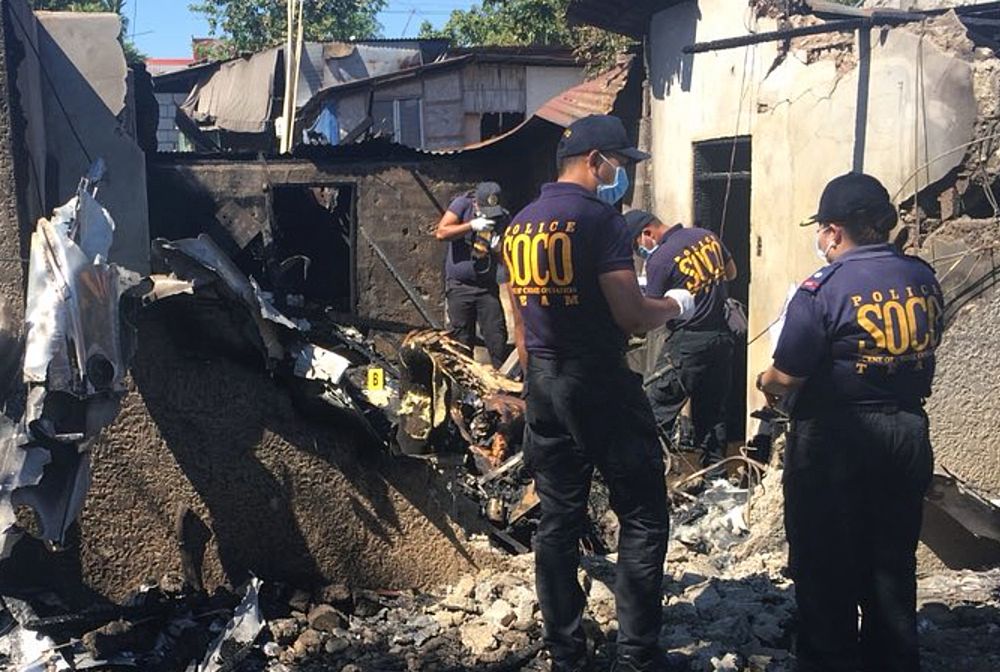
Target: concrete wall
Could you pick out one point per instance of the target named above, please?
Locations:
(800, 110)
(263, 487)
(399, 204)
(544, 83)
(77, 114)
(15, 214)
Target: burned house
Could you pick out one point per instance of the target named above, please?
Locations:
(223, 460)
(238, 405)
(419, 93)
(754, 106)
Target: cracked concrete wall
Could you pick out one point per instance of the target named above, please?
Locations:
(799, 109)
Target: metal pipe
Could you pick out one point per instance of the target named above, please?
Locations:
(847, 25)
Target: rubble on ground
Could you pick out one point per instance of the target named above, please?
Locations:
(727, 605)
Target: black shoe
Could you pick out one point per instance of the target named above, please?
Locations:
(579, 666)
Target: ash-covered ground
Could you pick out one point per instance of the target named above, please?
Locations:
(727, 605)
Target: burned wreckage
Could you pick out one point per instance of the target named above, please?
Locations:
(431, 402)
(75, 359)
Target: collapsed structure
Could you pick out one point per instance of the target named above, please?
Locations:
(276, 422)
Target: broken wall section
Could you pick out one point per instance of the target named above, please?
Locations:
(211, 472)
(397, 203)
(75, 100)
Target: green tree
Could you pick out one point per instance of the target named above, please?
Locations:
(252, 25)
(528, 23)
(132, 53)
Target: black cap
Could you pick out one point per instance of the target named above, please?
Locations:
(602, 132)
(488, 199)
(849, 197)
(636, 221)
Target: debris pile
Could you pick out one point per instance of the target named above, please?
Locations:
(77, 344)
(727, 606)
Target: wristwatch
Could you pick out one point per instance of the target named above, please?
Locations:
(759, 384)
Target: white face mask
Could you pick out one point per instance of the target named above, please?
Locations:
(823, 254)
(646, 252)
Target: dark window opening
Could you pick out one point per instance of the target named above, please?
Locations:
(719, 166)
(314, 236)
(493, 124)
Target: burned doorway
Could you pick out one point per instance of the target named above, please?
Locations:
(722, 205)
(314, 242)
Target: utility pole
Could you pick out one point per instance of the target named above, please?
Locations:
(295, 16)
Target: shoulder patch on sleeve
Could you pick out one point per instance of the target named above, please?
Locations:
(814, 282)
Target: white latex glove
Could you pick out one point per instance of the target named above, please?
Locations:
(684, 299)
(481, 224)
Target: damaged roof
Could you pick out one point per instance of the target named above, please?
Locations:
(597, 95)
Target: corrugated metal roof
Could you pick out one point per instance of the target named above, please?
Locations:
(594, 96)
(627, 17)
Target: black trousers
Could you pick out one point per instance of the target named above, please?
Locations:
(581, 415)
(695, 365)
(468, 305)
(854, 484)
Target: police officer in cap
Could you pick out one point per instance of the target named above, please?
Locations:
(573, 282)
(854, 363)
(696, 361)
(471, 224)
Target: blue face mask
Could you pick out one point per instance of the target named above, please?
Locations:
(646, 253)
(614, 192)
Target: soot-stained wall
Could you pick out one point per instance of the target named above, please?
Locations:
(398, 202)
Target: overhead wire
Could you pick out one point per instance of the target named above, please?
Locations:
(749, 53)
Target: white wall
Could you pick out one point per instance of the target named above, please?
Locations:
(544, 83)
(801, 119)
(168, 136)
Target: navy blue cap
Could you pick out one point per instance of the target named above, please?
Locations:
(602, 132)
(488, 199)
(636, 221)
(851, 196)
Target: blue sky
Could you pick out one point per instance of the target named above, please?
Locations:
(163, 28)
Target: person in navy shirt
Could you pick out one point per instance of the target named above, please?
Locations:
(573, 283)
(853, 364)
(696, 361)
(472, 225)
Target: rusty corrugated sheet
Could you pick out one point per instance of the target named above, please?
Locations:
(594, 96)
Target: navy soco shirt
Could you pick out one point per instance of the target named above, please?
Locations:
(554, 251)
(470, 259)
(864, 330)
(693, 259)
